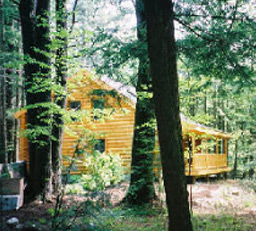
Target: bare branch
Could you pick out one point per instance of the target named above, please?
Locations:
(15, 2)
(73, 16)
(195, 31)
(234, 17)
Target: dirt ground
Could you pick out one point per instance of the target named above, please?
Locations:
(219, 197)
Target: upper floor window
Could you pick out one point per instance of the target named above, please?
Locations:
(98, 104)
(98, 107)
(75, 105)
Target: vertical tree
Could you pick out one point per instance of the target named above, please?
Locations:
(35, 35)
(8, 58)
(3, 153)
(162, 55)
(60, 93)
(141, 189)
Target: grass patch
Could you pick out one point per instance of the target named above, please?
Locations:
(130, 219)
(220, 223)
(144, 219)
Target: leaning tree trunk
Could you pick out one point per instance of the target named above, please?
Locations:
(141, 189)
(59, 97)
(35, 34)
(162, 55)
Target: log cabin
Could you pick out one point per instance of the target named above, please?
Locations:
(107, 109)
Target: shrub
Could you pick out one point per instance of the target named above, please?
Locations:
(102, 170)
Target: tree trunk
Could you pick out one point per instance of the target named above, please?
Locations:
(162, 55)
(141, 189)
(10, 121)
(7, 28)
(3, 151)
(59, 98)
(205, 103)
(35, 34)
(18, 104)
(235, 160)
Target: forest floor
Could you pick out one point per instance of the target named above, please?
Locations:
(218, 205)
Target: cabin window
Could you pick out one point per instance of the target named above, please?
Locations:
(211, 146)
(221, 146)
(100, 145)
(98, 107)
(75, 105)
(204, 146)
(198, 146)
(98, 104)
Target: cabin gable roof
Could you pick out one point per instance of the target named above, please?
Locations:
(128, 94)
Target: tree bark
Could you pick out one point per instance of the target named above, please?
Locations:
(35, 34)
(162, 55)
(141, 189)
(59, 97)
(10, 121)
(235, 160)
(3, 152)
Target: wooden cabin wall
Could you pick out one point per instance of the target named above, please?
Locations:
(117, 132)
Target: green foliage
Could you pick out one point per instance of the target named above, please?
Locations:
(216, 223)
(102, 170)
(150, 219)
(248, 184)
(222, 104)
(218, 72)
(77, 189)
(85, 214)
(216, 35)
(109, 48)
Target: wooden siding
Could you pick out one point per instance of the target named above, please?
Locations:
(117, 130)
(23, 141)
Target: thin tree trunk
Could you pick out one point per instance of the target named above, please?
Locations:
(235, 160)
(162, 55)
(10, 121)
(215, 122)
(18, 97)
(59, 99)
(3, 153)
(205, 103)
